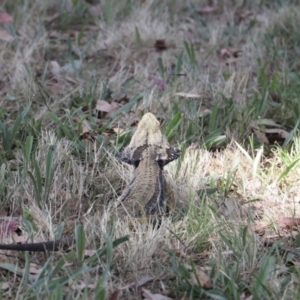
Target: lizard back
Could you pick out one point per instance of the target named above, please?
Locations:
(146, 191)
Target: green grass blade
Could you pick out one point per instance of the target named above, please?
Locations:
(94, 258)
(172, 126)
(67, 258)
(161, 69)
(80, 242)
(288, 169)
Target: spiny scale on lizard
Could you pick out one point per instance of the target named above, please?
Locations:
(146, 189)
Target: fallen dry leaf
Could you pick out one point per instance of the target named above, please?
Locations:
(189, 95)
(8, 226)
(54, 67)
(20, 239)
(85, 128)
(251, 15)
(149, 296)
(80, 285)
(203, 111)
(106, 106)
(55, 86)
(260, 135)
(232, 209)
(207, 10)
(5, 18)
(160, 45)
(5, 285)
(114, 295)
(232, 61)
(253, 185)
(238, 97)
(268, 135)
(275, 97)
(228, 252)
(225, 53)
(244, 296)
(288, 221)
(228, 52)
(160, 83)
(203, 279)
(280, 132)
(243, 15)
(5, 36)
(138, 283)
(260, 229)
(33, 269)
(88, 253)
(119, 131)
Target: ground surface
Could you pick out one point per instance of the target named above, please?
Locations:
(223, 79)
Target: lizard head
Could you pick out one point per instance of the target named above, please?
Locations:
(148, 134)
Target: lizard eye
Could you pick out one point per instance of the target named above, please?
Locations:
(136, 163)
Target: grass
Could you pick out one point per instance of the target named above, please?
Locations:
(224, 82)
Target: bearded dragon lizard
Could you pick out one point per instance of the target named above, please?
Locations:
(148, 151)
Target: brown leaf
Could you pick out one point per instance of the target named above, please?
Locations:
(114, 295)
(80, 285)
(228, 52)
(106, 106)
(33, 269)
(260, 229)
(251, 15)
(55, 86)
(238, 97)
(119, 131)
(244, 296)
(188, 95)
(229, 252)
(54, 67)
(160, 83)
(5, 18)
(8, 226)
(121, 98)
(288, 221)
(88, 253)
(160, 45)
(20, 239)
(193, 146)
(5, 285)
(232, 210)
(5, 36)
(281, 132)
(243, 15)
(275, 97)
(260, 135)
(232, 61)
(149, 296)
(203, 111)
(207, 10)
(203, 279)
(268, 135)
(138, 283)
(225, 53)
(86, 127)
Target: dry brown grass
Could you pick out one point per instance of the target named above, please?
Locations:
(63, 57)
